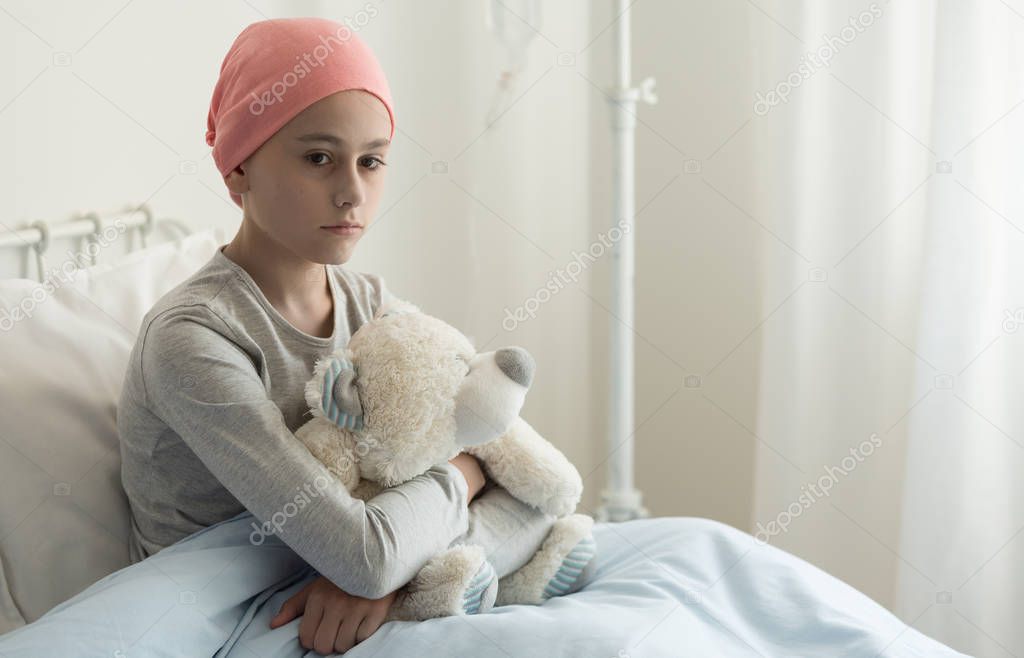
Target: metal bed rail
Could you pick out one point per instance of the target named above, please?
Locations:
(39, 235)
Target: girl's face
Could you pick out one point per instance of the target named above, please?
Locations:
(329, 155)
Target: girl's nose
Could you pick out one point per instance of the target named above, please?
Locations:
(350, 190)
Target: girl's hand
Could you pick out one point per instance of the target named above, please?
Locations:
(332, 619)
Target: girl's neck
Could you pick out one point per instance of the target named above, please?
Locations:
(296, 287)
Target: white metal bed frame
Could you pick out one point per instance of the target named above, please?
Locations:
(39, 235)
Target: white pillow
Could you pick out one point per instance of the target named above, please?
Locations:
(63, 514)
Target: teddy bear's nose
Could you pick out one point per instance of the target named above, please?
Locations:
(516, 363)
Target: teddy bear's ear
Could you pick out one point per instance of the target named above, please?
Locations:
(340, 398)
(394, 306)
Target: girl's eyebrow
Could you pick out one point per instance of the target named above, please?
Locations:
(333, 139)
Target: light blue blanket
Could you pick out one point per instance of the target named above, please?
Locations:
(663, 587)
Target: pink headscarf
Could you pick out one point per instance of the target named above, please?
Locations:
(277, 68)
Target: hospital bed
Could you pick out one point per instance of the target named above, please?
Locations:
(671, 586)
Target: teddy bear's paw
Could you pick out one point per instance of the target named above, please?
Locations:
(562, 566)
(576, 570)
(459, 581)
(482, 590)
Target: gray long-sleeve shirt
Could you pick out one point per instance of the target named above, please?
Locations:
(211, 398)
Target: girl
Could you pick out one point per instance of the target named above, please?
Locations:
(300, 123)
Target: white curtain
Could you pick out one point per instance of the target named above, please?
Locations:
(890, 422)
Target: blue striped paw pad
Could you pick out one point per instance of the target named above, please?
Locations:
(575, 562)
(481, 590)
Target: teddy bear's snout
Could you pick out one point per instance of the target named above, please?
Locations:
(517, 364)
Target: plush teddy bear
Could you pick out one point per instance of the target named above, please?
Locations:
(408, 392)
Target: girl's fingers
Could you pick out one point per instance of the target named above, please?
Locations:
(345, 638)
(310, 623)
(291, 608)
(285, 615)
(370, 624)
(328, 629)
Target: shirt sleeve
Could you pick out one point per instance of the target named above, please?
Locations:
(200, 382)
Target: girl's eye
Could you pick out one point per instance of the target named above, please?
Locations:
(370, 163)
(313, 155)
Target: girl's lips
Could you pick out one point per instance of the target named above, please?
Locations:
(343, 230)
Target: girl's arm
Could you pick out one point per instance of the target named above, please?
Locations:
(208, 391)
(470, 468)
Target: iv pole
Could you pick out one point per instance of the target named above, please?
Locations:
(620, 500)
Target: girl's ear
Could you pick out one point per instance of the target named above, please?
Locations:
(236, 180)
